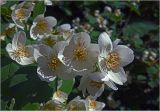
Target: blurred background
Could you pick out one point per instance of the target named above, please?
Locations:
(136, 23)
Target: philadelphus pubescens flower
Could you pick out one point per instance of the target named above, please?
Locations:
(62, 33)
(58, 101)
(49, 66)
(21, 13)
(66, 31)
(42, 26)
(76, 104)
(62, 53)
(112, 59)
(80, 54)
(93, 105)
(18, 51)
(92, 84)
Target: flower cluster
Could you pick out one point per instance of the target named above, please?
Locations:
(61, 52)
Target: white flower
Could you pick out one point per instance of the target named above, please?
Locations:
(18, 51)
(21, 13)
(53, 106)
(112, 59)
(66, 31)
(60, 96)
(92, 84)
(80, 54)
(49, 66)
(93, 105)
(41, 26)
(10, 29)
(58, 102)
(76, 104)
(49, 40)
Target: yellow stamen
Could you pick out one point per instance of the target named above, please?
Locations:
(54, 63)
(96, 84)
(92, 104)
(73, 108)
(80, 52)
(49, 41)
(112, 61)
(58, 93)
(20, 13)
(22, 52)
(41, 26)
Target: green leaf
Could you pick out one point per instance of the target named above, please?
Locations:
(3, 104)
(141, 77)
(8, 70)
(152, 70)
(67, 86)
(138, 28)
(38, 9)
(19, 78)
(95, 34)
(91, 19)
(152, 84)
(31, 106)
(117, 4)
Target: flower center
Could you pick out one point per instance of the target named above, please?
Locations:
(96, 84)
(92, 104)
(20, 13)
(41, 25)
(49, 41)
(80, 52)
(54, 63)
(112, 61)
(21, 52)
(50, 105)
(58, 93)
(73, 107)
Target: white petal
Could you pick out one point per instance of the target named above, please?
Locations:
(126, 55)
(66, 54)
(43, 71)
(52, 21)
(111, 85)
(105, 43)
(100, 105)
(115, 43)
(9, 47)
(26, 60)
(83, 37)
(32, 33)
(19, 39)
(97, 76)
(65, 27)
(121, 75)
(82, 85)
(95, 92)
(45, 50)
(10, 51)
(43, 77)
(95, 49)
(63, 73)
(39, 17)
(13, 7)
(111, 75)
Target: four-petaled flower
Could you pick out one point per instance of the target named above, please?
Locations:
(18, 51)
(112, 59)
